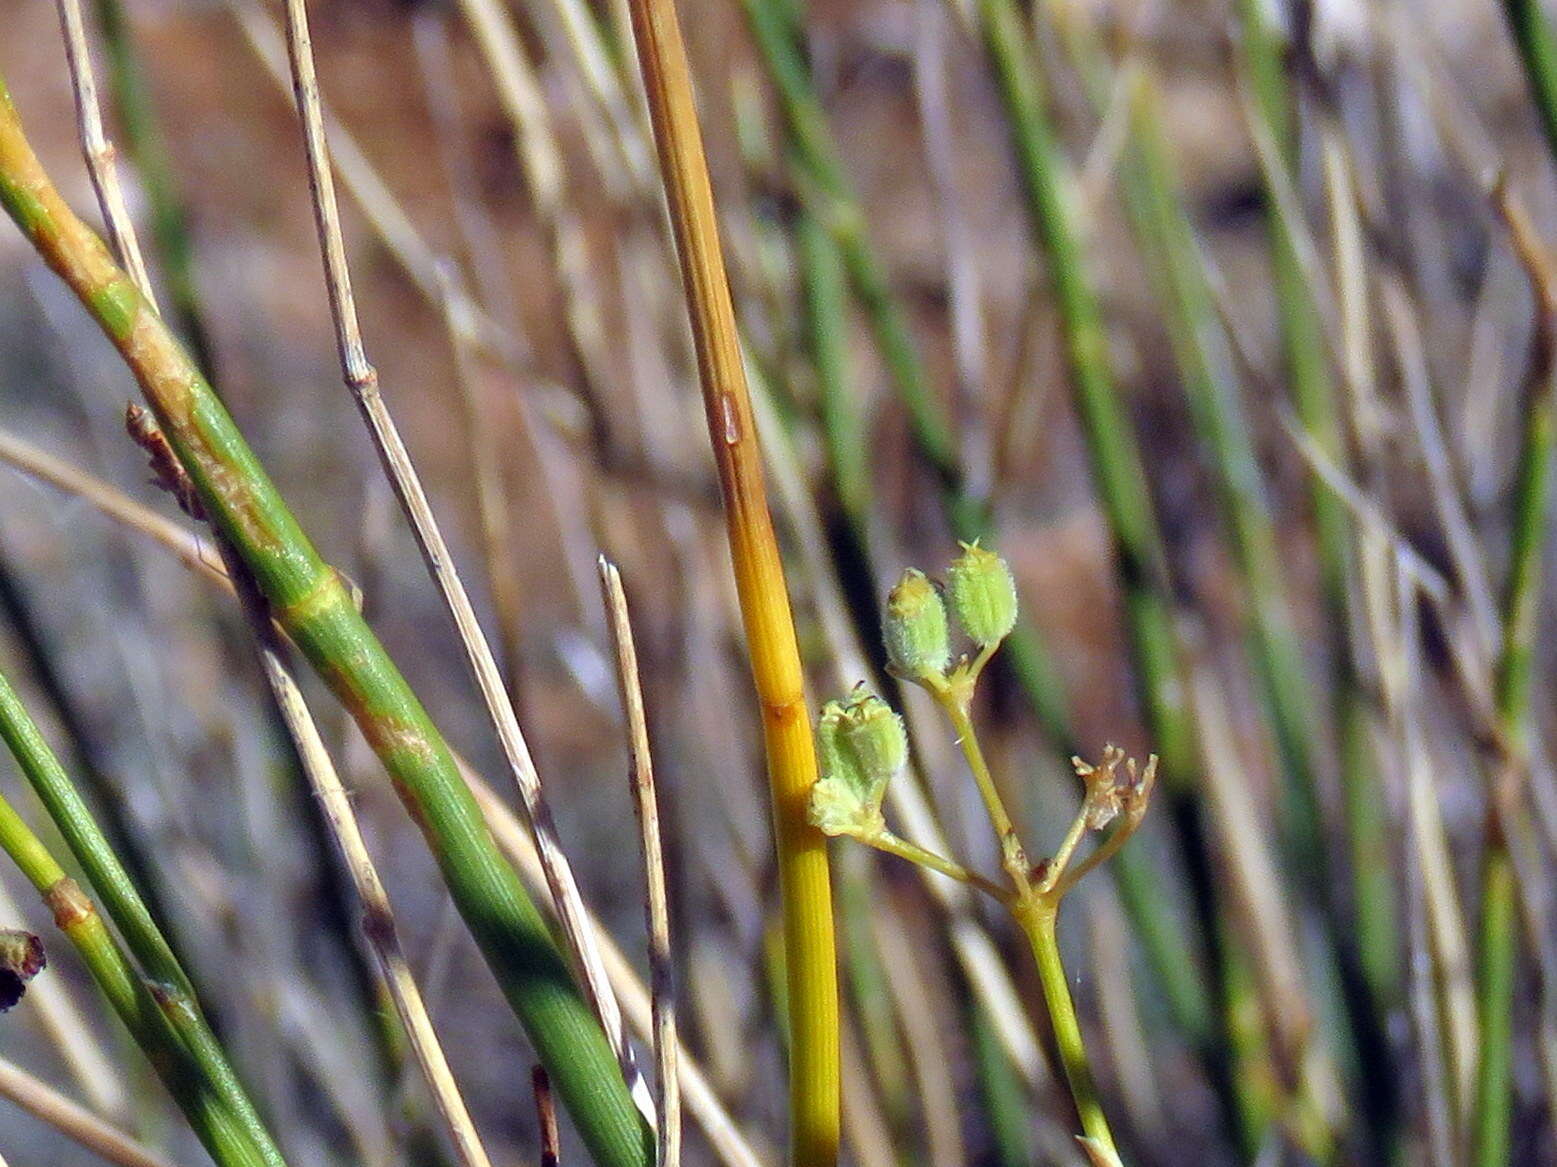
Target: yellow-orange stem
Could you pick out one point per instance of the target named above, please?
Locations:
(759, 576)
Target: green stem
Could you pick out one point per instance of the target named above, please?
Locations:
(226, 1138)
(833, 204)
(1037, 915)
(1532, 34)
(313, 605)
(885, 840)
(1499, 938)
(113, 885)
(1012, 857)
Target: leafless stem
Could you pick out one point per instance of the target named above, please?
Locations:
(661, 986)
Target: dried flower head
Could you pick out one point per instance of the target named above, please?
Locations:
(1109, 793)
(983, 595)
(21, 959)
(914, 628)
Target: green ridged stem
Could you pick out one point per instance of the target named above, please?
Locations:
(1305, 355)
(222, 1134)
(312, 603)
(835, 206)
(117, 892)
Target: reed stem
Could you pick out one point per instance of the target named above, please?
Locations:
(810, 959)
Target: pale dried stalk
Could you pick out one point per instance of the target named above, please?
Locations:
(1257, 891)
(657, 901)
(921, 1010)
(71, 1119)
(701, 1100)
(362, 379)
(99, 151)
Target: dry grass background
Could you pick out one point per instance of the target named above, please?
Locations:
(154, 665)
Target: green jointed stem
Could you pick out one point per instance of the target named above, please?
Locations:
(114, 887)
(226, 1138)
(312, 603)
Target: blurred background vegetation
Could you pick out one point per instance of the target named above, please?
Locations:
(1329, 572)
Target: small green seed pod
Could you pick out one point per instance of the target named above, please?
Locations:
(874, 736)
(914, 628)
(983, 595)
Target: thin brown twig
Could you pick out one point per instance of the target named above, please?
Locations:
(661, 986)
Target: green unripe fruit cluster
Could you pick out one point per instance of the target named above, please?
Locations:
(861, 745)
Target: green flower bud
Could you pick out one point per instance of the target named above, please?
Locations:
(983, 595)
(915, 628)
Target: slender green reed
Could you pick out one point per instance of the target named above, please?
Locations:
(825, 185)
(1537, 46)
(311, 602)
(1499, 932)
(1263, 58)
(172, 989)
(230, 1141)
(1121, 485)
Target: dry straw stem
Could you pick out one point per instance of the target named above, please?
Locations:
(73, 1120)
(759, 576)
(657, 901)
(99, 151)
(362, 380)
(310, 600)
